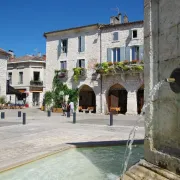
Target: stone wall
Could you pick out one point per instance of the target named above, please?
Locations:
(3, 74)
(161, 58)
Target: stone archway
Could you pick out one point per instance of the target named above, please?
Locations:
(117, 99)
(87, 99)
(140, 99)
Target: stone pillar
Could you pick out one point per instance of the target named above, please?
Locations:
(131, 103)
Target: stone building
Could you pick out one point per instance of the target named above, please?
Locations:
(87, 47)
(26, 74)
(4, 56)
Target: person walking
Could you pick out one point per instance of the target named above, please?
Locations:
(64, 108)
(71, 107)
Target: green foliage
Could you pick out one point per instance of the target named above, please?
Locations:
(73, 96)
(109, 67)
(48, 99)
(2, 99)
(58, 87)
(77, 72)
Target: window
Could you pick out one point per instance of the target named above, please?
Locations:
(134, 34)
(115, 36)
(81, 63)
(81, 44)
(116, 54)
(64, 45)
(10, 77)
(36, 76)
(20, 77)
(135, 53)
(63, 65)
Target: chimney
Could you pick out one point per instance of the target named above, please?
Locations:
(125, 19)
(44, 57)
(39, 54)
(120, 18)
(12, 53)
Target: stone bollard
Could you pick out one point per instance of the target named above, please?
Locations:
(111, 119)
(24, 118)
(48, 113)
(19, 113)
(2, 115)
(74, 117)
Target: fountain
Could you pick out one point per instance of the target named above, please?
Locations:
(162, 115)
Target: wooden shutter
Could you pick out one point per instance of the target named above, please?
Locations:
(141, 52)
(79, 44)
(128, 53)
(122, 54)
(109, 54)
(82, 43)
(133, 53)
(77, 63)
(115, 36)
(83, 63)
(59, 49)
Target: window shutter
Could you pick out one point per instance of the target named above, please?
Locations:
(77, 63)
(128, 53)
(109, 54)
(115, 36)
(133, 53)
(59, 49)
(67, 46)
(83, 63)
(82, 43)
(141, 52)
(122, 54)
(79, 44)
(65, 64)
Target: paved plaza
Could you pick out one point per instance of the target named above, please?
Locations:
(43, 135)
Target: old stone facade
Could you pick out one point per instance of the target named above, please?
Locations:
(86, 46)
(26, 74)
(3, 71)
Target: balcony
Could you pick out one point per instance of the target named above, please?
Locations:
(36, 83)
(108, 68)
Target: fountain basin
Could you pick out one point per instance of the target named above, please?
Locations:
(76, 163)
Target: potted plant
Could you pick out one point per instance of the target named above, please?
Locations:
(62, 73)
(48, 101)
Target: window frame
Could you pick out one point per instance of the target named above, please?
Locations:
(10, 79)
(81, 63)
(133, 30)
(21, 78)
(61, 62)
(64, 49)
(117, 49)
(113, 36)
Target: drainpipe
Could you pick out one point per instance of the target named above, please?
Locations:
(101, 78)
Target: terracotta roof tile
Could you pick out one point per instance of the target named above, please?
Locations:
(2, 51)
(26, 58)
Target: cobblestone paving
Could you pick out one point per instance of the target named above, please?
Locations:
(42, 134)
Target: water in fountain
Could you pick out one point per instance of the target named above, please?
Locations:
(132, 133)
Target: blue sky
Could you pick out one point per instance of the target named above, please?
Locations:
(22, 23)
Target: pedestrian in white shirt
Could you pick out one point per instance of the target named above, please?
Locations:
(71, 107)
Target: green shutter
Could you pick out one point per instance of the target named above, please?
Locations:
(122, 55)
(59, 49)
(82, 43)
(109, 55)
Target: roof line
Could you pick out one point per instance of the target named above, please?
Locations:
(13, 62)
(68, 29)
